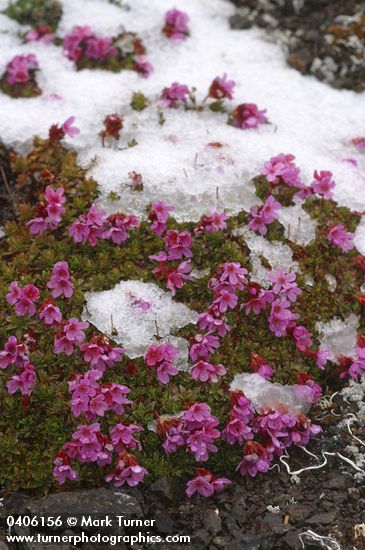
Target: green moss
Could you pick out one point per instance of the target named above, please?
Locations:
(31, 433)
(36, 12)
(139, 101)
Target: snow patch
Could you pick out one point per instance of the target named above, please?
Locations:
(119, 314)
(339, 337)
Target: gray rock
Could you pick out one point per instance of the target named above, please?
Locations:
(168, 489)
(212, 521)
(164, 523)
(322, 518)
(202, 536)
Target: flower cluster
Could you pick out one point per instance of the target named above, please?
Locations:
(21, 69)
(70, 334)
(60, 283)
(176, 26)
(92, 399)
(96, 225)
(159, 215)
(42, 33)
(282, 170)
(323, 184)
(90, 445)
(82, 42)
(162, 357)
(211, 223)
(262, 216)
(338, 236)
(100, 354)
(23, 298)
(174, 95)
(196, 428)
(206, 484)
(221, 88)
(49, 213)
(15, 353)
(247, 116)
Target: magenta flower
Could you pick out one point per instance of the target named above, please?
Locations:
(205, 483)
(68, 127)
(341, 238)
(226, 300)
(60, 281)
(122, 437)
(23, 382)
(255, 459)
(199, 412)
(42, 33)
(50, 314)
(261, 216)
(142, 66)
(126, 471)
(247, 116)
(159, 215)
(175, 95)
(221, 88)
(323, 183)
(164, 371)
(74, 330)
(303, 338)
(282, 169)
(203, 345)
(21, 69)
(176, 277)
(37, 226)
(204, 371)
(176, 25)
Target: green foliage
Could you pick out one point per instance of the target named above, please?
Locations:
(28, 89)
(32, 432)
(139, 101)
(36, 12)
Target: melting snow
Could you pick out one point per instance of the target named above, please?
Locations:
(121, 315)
(266, 395)
(339, 337)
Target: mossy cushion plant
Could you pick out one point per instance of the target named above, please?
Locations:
(36, 12)
(72, 402)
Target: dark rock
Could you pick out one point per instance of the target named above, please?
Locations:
(238, 21)
(164, 523)
(292, 540)
(202, 536)
(169, 490)
(322, 518)
(338, 482)
(212, 521)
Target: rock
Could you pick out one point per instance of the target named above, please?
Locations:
(238, 21)
(202, 536)
(212, 521)
(164, 523)
(292, 540)
(3, 546)
(338, 482)
(167, 489)
(322, 518)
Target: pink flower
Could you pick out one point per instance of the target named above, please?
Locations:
(205, 483)
(203, 345)
(247, 116)
(303, 338)
(281, 279)
(37, 226)
(15, 292)
(159, 215)
(50, 314)
(42, 33)
(74, 330)
(323, 183)
(60, 281)
(221, 88)
(122, 437)
(142, 66)
(176, 277)
(21, 69)
(23, 382)
(197, 412)
(341, 238)
(126, 471)
(68, 127)
(204, 371)
(282, 169)
(234, 274)
(164, 371)
(226, 300)
(176, 25)
(264, 215)
(178, 244)
(255, 459)
(174, 95)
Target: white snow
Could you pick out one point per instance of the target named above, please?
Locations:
(299, 226)
(117, 313)
(339, 337)
(278, 254)
(265, 395)
(308, 118)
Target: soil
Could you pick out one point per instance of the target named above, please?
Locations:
(325, 38)
(270, 512)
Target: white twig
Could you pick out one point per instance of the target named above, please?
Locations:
(349, 422)
(325, 542)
